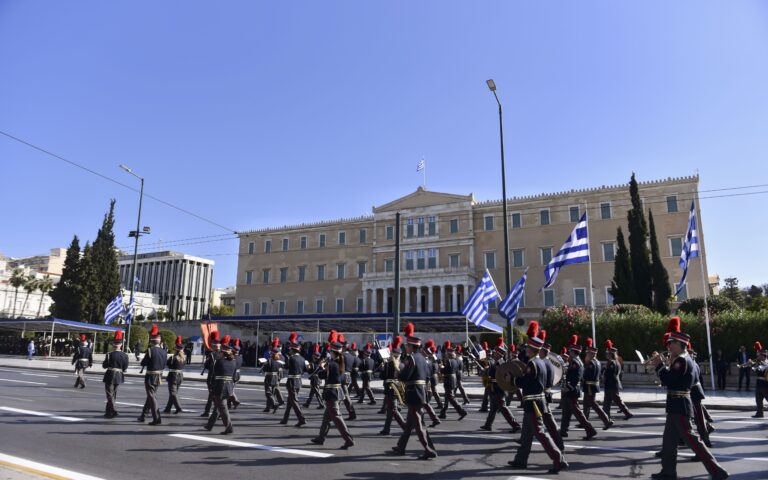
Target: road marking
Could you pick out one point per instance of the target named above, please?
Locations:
(638, 432)
(741, 422)
(41, 414)
(131, 404)
(40, 375)
(232, 443)
(21, 381)
(43, 469)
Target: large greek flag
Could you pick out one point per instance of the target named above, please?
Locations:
(509, 306)
(690, 248)
(574, 250)
(114, 309)
(129, 312)
(476, 306)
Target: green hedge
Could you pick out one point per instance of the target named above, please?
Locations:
(169, 338)
(138, 332)
(716, 304)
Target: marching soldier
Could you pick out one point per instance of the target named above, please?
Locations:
(232, 401)
(571, 392)
(389, 374)
(367, 366)
(314, 381)
(296, 368)
(533, 383)
(592, 385)
(459, 374)
(700, 414)
(271, 371)
(612, 382)
(449, 368)
(332, 371)
(434, 369)
(354, 370)
(496, 393)
(678, 378)
(115, 364)
(210, 361)
(154, 361)
(546, 416)
(760, 367)
(350, 361)
(414, 374)
(222, 388)
(82, 359)
(486, 380)
(175, 364)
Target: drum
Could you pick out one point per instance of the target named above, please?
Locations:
(507, 372)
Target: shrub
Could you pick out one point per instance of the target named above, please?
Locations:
(138, 332)
(716, 305)
(169, 338)
(627, 308)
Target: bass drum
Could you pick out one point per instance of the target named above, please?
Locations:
(507, 372)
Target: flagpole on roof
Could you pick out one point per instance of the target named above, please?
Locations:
(591, 287)
(704, 282)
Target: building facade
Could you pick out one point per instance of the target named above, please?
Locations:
(182, 282)
(52, 263)
(447, 242)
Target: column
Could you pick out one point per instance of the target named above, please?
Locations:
(455, 298)
(407, 299)
(374, 294)
(430, 299)
(384, 302)
(441, 300)
(365, 300)
(418, 299)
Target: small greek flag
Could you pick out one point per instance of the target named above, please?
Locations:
(509, 306)
(114, 309)
(129, 313)
(690, 248)
(476, 306)
(420, 166)
(574, 250)
(136, 280)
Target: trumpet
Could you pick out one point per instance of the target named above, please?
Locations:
(749, 364)
(650, 364)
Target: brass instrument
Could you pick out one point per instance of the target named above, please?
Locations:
(650, 363)
(750, 363)
(507, 372)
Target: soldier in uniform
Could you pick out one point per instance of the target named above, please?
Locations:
(232, 401)
(82, 359)
(115, 364)
(678, 378)
(314, 381)
(389, 374)
(367, 365)
(223, 385)
(700, 414)
(459, 374)
(154, 361)
(760, 368)
(449, 367)
(612, 382)
(271, 371)
(353, 370)
(434, 368)
(497, 394)
(332, 371)
(210, 361)
(175, 364)
(591, 385)
(546, 416)
(487, 389)
(296, 367)
(350, 361)
(571, 392)
(532, 384)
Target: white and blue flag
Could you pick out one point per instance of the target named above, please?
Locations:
(114, 309)
(420, 166)
(690, 248)
(129, 312)
(476, 306)
(574, 250)
(511, 304)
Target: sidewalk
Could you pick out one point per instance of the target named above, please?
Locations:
(633, 396)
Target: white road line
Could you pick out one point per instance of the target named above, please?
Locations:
(21, 381)
(621, 431)
(39, 375)
(130, 404)
(41, 414)
(233, 443)
(741, 422)
(43, 469)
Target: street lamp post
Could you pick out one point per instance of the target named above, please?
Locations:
(507, 279)
(136, 234)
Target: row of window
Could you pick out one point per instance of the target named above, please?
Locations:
(301, 273)
(279, 307)
(303, 241)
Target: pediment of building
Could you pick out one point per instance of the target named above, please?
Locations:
(423, 198)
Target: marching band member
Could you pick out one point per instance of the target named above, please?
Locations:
(459, 374)
(366, 367)
(296, 368)
(760, 367)
(591, 385)
(82, 359)
(546, 416)
(496, 393)
(223, 385)
(389, 374)
(353, 369)
(314, 381)
(210, 361)
(434, 369)
(571, 392)
(486, 380)
(332, 372)
(232, 401)
(154, 361)
(175, 364)
(271, 371)
(612, 381)
(449, 368)
(700, 414)
(115, 364)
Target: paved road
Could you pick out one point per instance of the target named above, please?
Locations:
(45, 420)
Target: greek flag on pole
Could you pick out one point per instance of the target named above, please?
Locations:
(690, 248)
(574, 250)
(420, 165)
(129, 313)
(114, 309)
(509, 306)
(476, 306)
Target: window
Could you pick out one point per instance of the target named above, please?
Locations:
(574, 212)
(250, 248)
(409, 228)
(360, 305)
(283, 274)
(339, 305)
(546, 255)
(247, 308)
(363, 235)
(321, 272)
(549, 297)
(676, 246)
(409, 255)
(432, 258)
(361, 269)
(342, 238)
(302, 273)
(267, 246)
(432, 222)
(580, 296)
(389, 265)
(420, 259)
(249, 277)
(303, 243)
(390, 232)
(265, 276)
(488, 223)
(544, 216)
(490, 260)
(453, 260)
(605, 210)
(455, 225)
(492, 304)
(264, 308)
(517, 220)
(518, 258)
(299, 306)
(522, 300)
(340, 270)
(672, 204)
(321, 240)
(281, 307)
(285, 244)
(421, 227)
(609, 252)
(683, 295)
(319, 306)
(608, 296)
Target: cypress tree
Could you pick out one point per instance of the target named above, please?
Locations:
(106, 281)
(662, 291)
(66, 294)
(622, 286)
(638, 248)
(88, 285)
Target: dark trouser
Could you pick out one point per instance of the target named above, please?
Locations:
(293, 403)
(451, 399)
(347, 402)
(353, 384)
(413, 420)
(233, 398)
(150, 404)
(173, 397)
(533, 425)
(219, 410)
(676, 428)
(571, 407)
(486, 398)
(270, 392)
(761, 394)
(612, 396)
(314, 391)
(80, 380)
(209, 401)
(549, 423)
(111, 391)
(744, 373)
(432, 393)
(390, 403)
(366, 390)
(701, 424)
(591, 404)
(497, 405)
(331, 414)
(460, 389)
(721, 379)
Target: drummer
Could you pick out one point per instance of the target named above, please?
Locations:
(552, 370)
(496, 392)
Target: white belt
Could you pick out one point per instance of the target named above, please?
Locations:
(115, 369)
(271, 373)
(294, 376)
(155, 372)
(529, 398)
(224, 378)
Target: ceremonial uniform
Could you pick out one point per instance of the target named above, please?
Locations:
(697, 397)
(332, 393)
(612, 385)
(315, 382)
(349, 362)
(571, 393)
(222, 387)
(591, 388)
(459, 375)
(760, 368)
(546, 415)
(115, 364)
(232, 401)
(175, 364)
(353, 369)
(210, 362)
(496, 396)
(82, 359)
(154, 361)
(449, 368)
(366, 374)
(296, 367)
(271, 371)
(389, 375)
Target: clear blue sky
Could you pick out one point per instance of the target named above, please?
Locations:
(264, 113)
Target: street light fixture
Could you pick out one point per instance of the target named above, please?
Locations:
(135, 234)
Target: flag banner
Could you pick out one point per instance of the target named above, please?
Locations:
(114, 309)
(129, 312)
(690, 247)
(476, 306)
(510, 305)
(574, 250)
(420, 166)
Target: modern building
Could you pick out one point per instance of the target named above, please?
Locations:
(223, 296)
(52, 263)
(182, 282)
(447, 242)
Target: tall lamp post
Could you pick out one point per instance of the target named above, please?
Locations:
(507, 279)
(136, 234)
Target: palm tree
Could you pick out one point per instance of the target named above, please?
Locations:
(17, 280)
(30, 285)
(45, 285)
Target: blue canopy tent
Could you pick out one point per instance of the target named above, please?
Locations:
(53, 324)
